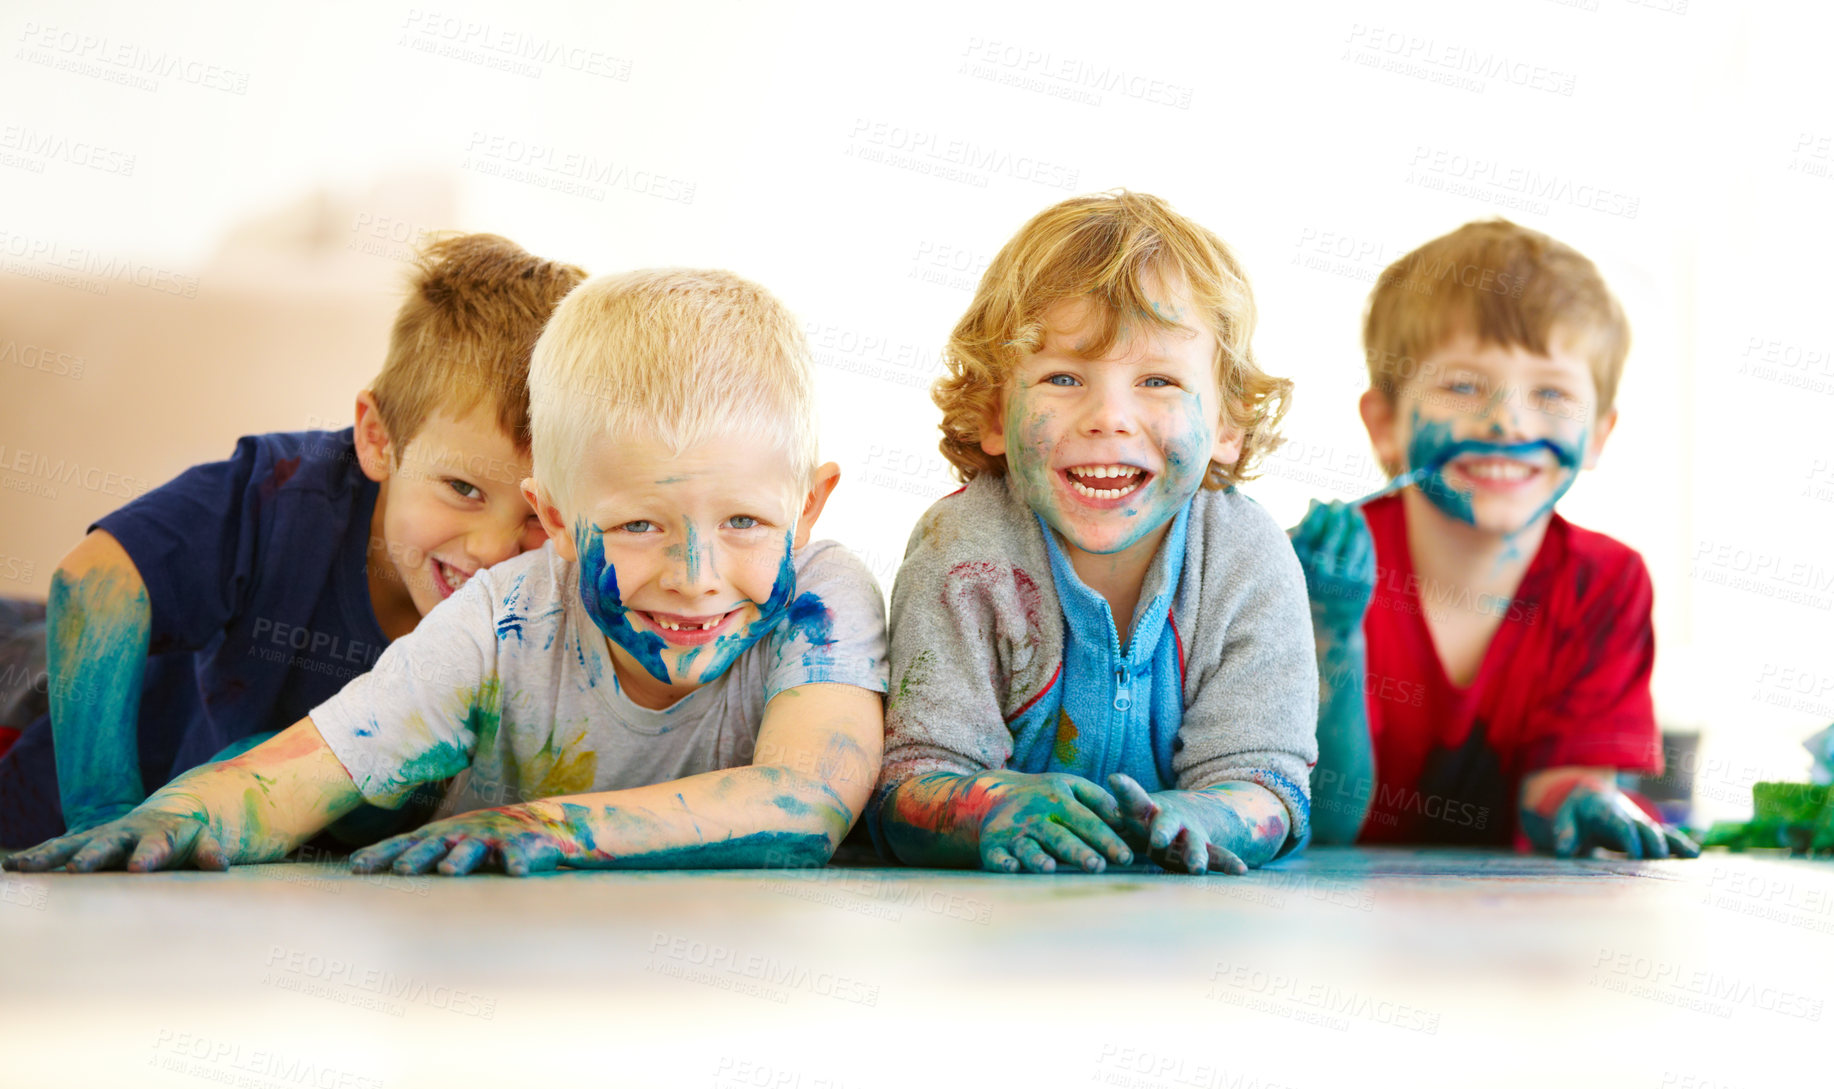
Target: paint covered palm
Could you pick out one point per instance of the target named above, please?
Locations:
(1338, 557)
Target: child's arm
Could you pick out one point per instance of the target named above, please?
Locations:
(1568, 811)
(99, 624)
(817, 757)
(257, 807)
(1338, 556)
(1004, 820)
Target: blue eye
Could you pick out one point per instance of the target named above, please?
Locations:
(1156, 382)
(742, 521)
(1067, 380)
(1462, 388)
(1548, 393)
(638, 526)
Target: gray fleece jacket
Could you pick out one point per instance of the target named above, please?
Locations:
(994, 665)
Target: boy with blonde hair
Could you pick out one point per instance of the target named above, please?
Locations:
(205, 615)
(1485, 662)
(1099, 604)
(677, 678)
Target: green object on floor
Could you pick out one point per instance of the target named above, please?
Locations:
(1796, 816)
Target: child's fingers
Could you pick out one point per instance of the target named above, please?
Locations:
(1187, 852)
(1095, 832)
(1653, 842)
(46, 856)
(166, 847)
(1226, 861)
(529, 852)
(420, 857)
(1032, 857)
(1102, 802)
(207, 853)
(1134, 801)
(380, 856)
(1618, 832)
(464, 856)
(1062, 844)
(1679, 845)
(1566, 831)
(103, 850)
(999, 860)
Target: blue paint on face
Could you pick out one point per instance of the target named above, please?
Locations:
(691, 555)
(598, 583)
(598, 591)
(727, 648)
(1432, 447)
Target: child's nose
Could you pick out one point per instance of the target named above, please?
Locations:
(1108, 412)
(1501, 420)
(690, 571)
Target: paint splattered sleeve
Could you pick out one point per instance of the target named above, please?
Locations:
(968, 647)
(1251, 677)
(417, 717)
(835, 633)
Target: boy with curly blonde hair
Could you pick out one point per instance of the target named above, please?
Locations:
(1100, 604)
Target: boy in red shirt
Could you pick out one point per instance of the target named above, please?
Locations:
(1484, 664)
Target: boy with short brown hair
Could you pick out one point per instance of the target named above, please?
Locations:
(221, 607)
(1484, 663)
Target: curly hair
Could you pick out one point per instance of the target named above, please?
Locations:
(1110, 249)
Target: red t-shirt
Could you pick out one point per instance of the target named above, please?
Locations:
(1565, 681)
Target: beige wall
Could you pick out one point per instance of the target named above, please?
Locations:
(267, 344)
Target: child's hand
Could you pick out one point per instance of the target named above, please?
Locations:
(1598, 815)
(1035, 821)
(1174, 827)
(513, 837)
(1338, 556)
(143, 841)
(83, 820)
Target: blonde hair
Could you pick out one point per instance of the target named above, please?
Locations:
(1108, 249)
(681, 354)
(1503, 284)
(476, 304)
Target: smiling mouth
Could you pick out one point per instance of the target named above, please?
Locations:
(1105, 482)
(1495, 472)
(688, 631)
(447, 579)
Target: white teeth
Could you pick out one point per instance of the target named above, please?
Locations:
(672, 626)
(1102, 493)
(1505, 471)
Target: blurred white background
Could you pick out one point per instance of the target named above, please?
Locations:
(205, 212)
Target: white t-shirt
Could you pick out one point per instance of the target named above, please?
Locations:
(509, 686)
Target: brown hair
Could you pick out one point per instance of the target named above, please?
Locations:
(1503, 284)
(1107, 248)
(476, 305)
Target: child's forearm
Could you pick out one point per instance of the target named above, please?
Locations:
(265, 803)
(758, 816)
(1343, 781)
(99, 623)
(935, 819)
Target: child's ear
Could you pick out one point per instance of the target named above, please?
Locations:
(1228, 448)
(1595, 446)
(552, 522)
(827, 475)
(375, 451)
(1379, 420)
(993, 429)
